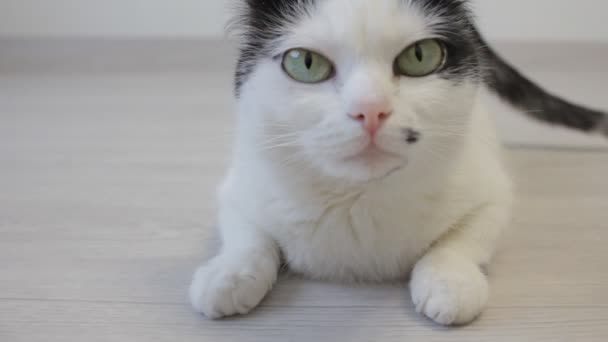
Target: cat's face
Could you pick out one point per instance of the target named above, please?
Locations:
(358, 88)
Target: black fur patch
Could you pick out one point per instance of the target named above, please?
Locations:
(458, 29)
(411, 136)
(262, 22)
(535, 102)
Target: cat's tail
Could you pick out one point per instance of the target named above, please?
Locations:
(514, 88)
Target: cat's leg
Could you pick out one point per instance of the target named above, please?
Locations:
(448, 284)
(240, 276)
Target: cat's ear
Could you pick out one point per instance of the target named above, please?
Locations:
(238, 11)
(441, 7)
(266, 18)
(245, 15)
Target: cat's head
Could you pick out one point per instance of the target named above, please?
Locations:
(357, 88)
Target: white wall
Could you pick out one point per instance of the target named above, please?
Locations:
(113, 18)
(500, 19)
(565, 20)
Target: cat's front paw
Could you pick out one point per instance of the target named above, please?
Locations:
(449, 291)
(220, 289)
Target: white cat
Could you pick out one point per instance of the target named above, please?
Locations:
(365, 153)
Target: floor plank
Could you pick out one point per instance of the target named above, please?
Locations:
(75, 321)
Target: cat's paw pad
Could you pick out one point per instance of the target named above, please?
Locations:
(219, 290)
(450, 293)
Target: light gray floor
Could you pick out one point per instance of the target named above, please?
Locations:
(107, 182)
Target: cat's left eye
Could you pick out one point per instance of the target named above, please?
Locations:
(421, 59)
(307, 66)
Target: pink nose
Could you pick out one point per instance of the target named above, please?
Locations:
(372, 116)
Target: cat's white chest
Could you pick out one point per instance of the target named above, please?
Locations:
(356, 238)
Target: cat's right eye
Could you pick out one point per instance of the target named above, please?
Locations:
(307, 66)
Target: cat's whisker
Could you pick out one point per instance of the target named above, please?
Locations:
(278, 146)
(282, 138)
(278, 142)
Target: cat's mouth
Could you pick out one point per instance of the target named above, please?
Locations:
(372, 154)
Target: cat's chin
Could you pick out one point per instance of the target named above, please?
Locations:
(368, 165)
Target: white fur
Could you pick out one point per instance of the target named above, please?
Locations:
(298, 188)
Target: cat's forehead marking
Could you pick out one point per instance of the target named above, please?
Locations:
(268, 20)
(359, 24)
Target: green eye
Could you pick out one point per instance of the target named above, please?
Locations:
(421, 59)
(307, 66)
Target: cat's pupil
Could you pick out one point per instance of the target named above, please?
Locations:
(308, 60)
(418, 52)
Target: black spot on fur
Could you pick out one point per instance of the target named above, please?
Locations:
(412, 136)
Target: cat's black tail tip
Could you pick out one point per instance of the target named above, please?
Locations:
(535, 102)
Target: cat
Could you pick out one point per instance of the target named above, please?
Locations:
(364, 152)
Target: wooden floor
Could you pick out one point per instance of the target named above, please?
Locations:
(107, 183)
